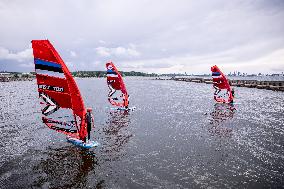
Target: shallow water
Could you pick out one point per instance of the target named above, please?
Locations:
(176, 138)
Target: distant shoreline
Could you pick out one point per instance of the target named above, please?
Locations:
(264, 84)
(269, 85)
(17, 76)
(10, 79)
(15, 79)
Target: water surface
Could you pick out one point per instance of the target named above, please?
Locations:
(176, 138)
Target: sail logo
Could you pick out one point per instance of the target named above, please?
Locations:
(111, 72)
(47, 68)
(216, 75)
(51, 88)
(51, 105)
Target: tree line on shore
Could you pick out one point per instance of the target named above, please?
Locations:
(103, 74)
(77, 74)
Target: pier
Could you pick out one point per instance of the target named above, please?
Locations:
(269, 85)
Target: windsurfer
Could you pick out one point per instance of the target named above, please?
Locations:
(233, 95)
(233, 92)
(90, 121)
(115, 83)
(125, 102)
(223, 92)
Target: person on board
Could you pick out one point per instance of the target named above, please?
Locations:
(233, 95)
(233, 92)
(90, 121)
(124, 101)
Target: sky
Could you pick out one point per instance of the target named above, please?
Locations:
(153, 36)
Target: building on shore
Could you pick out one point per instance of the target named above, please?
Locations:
(6, 76)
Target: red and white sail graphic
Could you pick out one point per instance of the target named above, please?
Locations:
(57, 89)
(51, 105)
(223, 91)
(114, 79)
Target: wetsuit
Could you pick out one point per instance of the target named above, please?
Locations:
(233, 92)
(89, 123)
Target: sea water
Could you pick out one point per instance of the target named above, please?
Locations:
(177, 137)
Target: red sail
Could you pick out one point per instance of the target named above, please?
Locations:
(221, 84)
(114, 79)
(57, 88)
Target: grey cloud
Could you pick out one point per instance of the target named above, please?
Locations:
(21, 56)
(168, 35)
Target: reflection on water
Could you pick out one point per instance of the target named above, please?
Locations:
(221, 113)
(116, 133)
(67, 167)
(72, 167)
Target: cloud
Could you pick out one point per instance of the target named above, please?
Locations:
(179, 36)
(270, 63)
(102, 42)
(118, 51)
(27, 65)
(103, 51)
(21, 56)
(70, 65)
(199, 64)
(73, 54)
